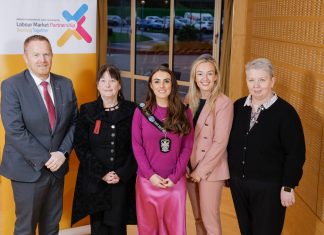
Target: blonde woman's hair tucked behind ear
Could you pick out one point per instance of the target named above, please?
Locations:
(194, 93)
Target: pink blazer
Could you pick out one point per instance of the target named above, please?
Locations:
(209, 154)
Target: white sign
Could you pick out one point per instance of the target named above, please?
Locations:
(70, 25)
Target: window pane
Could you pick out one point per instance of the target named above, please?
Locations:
(126, 88)
(195, 37)
(140, 91)
(118, 48)
(183, 90)
(152, 38)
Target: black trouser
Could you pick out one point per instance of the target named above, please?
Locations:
(98, 227)
(258, 207)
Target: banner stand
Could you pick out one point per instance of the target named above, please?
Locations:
(71, 28)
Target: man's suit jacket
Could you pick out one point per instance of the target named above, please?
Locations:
(209, 154)
(28, 136)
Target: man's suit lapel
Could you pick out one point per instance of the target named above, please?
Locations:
(57, 93)
(202, 118)
(38, 98)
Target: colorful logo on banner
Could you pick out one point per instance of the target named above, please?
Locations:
(79, 32)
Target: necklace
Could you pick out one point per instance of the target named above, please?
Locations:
(165, 142)
(115, 107)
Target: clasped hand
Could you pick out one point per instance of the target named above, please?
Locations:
(160, 182)
(111, 178)
(56, 161)
(194, 177)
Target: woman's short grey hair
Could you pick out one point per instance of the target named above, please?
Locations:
(260, 63)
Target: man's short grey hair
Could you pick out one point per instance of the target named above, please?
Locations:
(260, 63)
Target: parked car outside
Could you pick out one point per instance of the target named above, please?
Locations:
(205, 26)
(115, 20)
(195, 16)
(151, 24)
(177, 24)
(166, 18)
(152, 18)
(185, 21)
(128, 20)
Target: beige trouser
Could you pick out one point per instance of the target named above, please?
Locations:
(205, 198)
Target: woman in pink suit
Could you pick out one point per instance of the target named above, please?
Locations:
(208, 168)
(162, 138)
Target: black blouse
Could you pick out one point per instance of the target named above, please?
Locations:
(200, 107)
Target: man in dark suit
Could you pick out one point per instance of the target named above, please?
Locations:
(39, 111)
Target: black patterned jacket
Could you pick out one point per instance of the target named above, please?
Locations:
(103, 144)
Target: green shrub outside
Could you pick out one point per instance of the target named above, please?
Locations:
(187, 33)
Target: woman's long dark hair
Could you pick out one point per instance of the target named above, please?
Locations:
(177, 120)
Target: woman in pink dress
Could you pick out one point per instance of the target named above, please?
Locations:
(162, 138)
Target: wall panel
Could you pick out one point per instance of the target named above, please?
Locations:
(291, 34)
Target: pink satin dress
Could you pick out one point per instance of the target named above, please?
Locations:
(161, 211)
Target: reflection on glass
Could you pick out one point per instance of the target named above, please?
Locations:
(126, 88)
(195, 36)
(183, 90)
(152, 35)
(118, 48)
(140, 91)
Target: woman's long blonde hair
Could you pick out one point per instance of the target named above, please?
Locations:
(194, 93)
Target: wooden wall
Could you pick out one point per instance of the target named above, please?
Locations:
(291, 34)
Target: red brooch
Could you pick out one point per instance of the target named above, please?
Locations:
(96, 129)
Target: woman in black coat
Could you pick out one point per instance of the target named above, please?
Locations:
(106, 176)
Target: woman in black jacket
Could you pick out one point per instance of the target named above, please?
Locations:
(106, 176)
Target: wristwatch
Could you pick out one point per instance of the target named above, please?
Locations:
(287, 189)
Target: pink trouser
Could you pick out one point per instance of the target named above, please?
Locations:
(205, 198)
(160, 211)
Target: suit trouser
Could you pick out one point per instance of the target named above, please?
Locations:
(38, 203)
(258, 207)
(205, 198)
